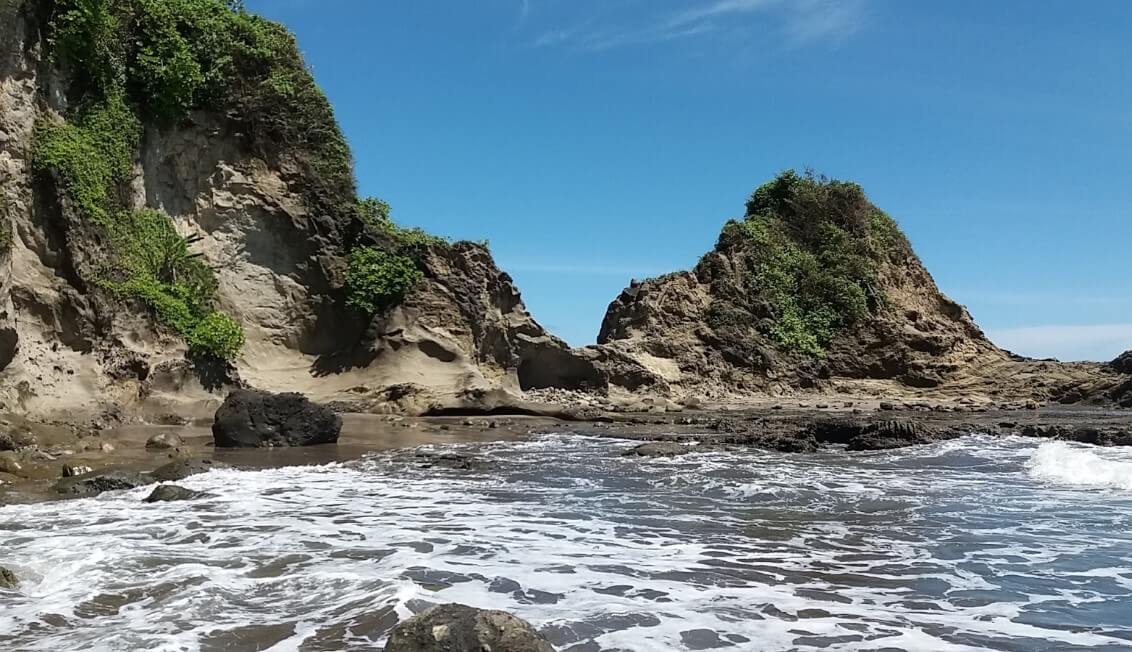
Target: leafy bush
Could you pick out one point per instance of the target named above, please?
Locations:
(377, 279)
(815, 246)
(217, 335)
(92, 155)
(151, 262)
(412, 242)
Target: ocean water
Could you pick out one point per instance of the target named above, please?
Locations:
(974, 544)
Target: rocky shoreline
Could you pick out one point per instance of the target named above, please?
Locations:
(41, 461)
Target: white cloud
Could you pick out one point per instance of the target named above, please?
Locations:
(801, 21)
(1100, 342)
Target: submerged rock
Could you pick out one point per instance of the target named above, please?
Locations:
(181, 469)
(8, 579)
(660, 449)
(92, 484)
(168, 493)
(164, 441)
(251, 419)
(458, 628)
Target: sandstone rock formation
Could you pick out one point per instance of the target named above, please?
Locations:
(816, 288)
(277, 235)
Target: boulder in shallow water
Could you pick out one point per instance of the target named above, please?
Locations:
(8, 579)
(181, 469)
(251, 419)
(92, 484)
(168, 493)
(164, 441)
(458, 628)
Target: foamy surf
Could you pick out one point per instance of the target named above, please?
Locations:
(906, 550)
(1078, 465)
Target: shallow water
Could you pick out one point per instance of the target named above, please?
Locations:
(980, 543)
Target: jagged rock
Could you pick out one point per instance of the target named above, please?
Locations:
(178, 470)
(6, 442)
(457, 628)
(251, 419)
(1123, 363)
(92, 484)
(717, 330)
(164, 441)
(168, 493)
(8, 580)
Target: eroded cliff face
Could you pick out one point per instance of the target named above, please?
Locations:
(70, 346)
(712, 331)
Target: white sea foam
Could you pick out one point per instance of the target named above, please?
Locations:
(768, 551)
(1079, 465)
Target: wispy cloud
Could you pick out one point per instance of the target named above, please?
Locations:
(798, 21)
(1088, 342)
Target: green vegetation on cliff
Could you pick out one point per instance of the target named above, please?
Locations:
(815, 247)
(377, 279)
(134, 64)
(169, 57)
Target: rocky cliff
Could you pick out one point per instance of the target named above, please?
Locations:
(817, 289)
(178, 215)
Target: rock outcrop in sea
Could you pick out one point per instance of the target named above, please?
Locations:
(816, 288)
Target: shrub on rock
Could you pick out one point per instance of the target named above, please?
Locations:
(251, 419)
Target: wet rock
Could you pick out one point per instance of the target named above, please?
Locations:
(6, 442)
(92, 484)
(659, 449)
(163, 441)
(168, 493)
(458, 628)
(1098, 436)
(180, 469)
(859, 435)
(251, 419)
(886, 406)
(461, 461)
(70, 471)
(10, 463)
(8, 580)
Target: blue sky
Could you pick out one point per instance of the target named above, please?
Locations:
(594, 141)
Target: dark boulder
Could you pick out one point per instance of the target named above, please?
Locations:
(1123, 363)
(251, 419)
(8, 579)
(457, 628)
(168, 493)
(1102, 436)
(181, 469)
(92, 484)
(861, 435)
